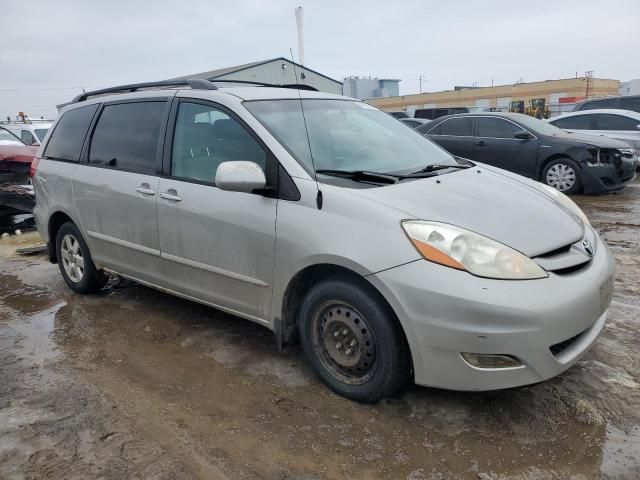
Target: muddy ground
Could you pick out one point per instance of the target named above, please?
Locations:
(133, 383)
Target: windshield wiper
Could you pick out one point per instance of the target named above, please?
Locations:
(361, 175)
(433, 168)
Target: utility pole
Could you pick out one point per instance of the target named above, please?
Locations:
(588, 76)
(299, 25)
(421, 78)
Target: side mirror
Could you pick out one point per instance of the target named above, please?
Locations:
(35, 143)
(523, 135)
(240, 176)
(638, 126)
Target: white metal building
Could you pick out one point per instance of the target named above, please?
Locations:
(632, 87)
(275, 70)
(362, 87)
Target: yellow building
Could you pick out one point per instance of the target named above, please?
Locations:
(550, 96)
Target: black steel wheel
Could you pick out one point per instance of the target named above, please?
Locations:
(344, 342)
(353, 340)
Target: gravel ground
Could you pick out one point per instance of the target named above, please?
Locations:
(133, 383)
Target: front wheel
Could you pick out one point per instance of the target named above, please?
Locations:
(74, 259)
(562, 174)
(353, 340)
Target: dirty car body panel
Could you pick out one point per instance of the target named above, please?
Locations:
(242, 252)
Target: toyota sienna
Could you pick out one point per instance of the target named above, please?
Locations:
(329, 222)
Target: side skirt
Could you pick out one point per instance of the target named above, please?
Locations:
(258, 320)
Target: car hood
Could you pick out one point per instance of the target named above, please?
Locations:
(599, 141)
(492, 202)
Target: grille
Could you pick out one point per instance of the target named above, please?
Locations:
(557, 251)
(572, 269)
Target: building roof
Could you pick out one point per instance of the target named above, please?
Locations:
(220, 72)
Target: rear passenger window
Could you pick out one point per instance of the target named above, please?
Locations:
(614, 122)
(459, 127)
(127, 135)
(67, 138)
(204, 137)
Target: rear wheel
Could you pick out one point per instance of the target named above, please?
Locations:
(562, 174)
(74, 259)
(353, 340)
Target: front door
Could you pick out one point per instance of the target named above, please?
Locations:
(115, 190)
(216, 245)
(495, 144)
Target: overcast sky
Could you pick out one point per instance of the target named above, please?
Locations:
(54, 48)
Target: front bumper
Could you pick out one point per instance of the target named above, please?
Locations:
(608, 178)
(445, 312)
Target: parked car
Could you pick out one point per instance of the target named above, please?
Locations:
(15, 158)
(414, 122)
(619, 124)
(386, 256)
(432, 113)
(626, 102)
(31, 133)
(568, 162)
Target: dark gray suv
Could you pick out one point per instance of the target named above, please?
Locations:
(628, 102)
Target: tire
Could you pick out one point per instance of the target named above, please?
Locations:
(563, 174)
(370, 358)
(75, 263)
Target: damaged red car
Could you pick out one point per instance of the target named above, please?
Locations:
(15, 158)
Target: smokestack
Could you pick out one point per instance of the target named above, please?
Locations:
(300, 35)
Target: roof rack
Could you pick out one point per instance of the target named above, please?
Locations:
(194, 83)
(296, 86)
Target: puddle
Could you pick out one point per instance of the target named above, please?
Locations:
(621, 453)
(35, 333)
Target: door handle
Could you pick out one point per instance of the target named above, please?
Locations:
(145, 190)
(171, 195)
(481, 143)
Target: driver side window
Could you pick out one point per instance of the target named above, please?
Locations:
(205, 137)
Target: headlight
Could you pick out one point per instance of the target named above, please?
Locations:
(458, 248)
(567, 202)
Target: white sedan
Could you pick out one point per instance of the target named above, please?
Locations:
(620, 124)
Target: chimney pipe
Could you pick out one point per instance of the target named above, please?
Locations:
(300, 35)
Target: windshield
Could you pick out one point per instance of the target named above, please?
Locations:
(346, 135)
(539, 126)
(41, 133)
(7, 138)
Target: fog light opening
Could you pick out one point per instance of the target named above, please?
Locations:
(490, 360)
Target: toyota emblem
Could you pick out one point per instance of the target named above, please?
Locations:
(586, 244)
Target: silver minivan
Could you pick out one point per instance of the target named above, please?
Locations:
(330, 223)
